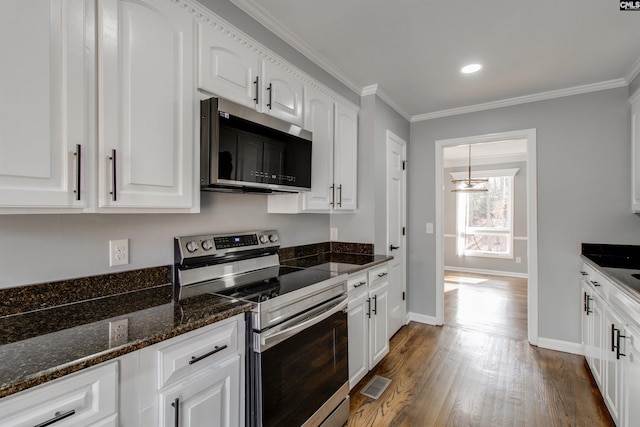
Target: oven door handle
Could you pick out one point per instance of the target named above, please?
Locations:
(270, 338)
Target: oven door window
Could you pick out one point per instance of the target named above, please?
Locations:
(301, 373)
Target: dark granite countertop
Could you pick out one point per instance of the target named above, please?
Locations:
(339, 262)
(42, 345)
(619, 263)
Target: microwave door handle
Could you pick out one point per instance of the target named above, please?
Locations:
(271, 340)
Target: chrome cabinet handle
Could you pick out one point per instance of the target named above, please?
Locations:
(357, 285)
(58, 416)
(340, 193)
(176, 413)
(113, 175)
(78, 155)
(217, 349)
(270, 89)
(257, 83)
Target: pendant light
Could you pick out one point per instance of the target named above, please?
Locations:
(469, 185)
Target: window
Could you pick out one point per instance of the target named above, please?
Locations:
(485, 219)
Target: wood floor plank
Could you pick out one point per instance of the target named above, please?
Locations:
(479, 370)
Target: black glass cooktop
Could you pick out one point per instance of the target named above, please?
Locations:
(270, 283)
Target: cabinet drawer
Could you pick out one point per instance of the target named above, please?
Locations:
(88, 397)
(378, 275)
(357, 282)
(207, 346)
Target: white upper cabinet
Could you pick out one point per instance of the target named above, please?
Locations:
(43, 116)
(635, 151)
(146, 93)
(74, 90)
(318, 119)
(346, 158)
(230, 68)
(227, 68)
(334, 170)
(283, 94)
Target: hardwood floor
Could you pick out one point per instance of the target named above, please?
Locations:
(479, 370)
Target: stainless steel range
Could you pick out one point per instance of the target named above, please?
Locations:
(297, 348)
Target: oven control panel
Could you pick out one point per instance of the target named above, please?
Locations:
(221, 244)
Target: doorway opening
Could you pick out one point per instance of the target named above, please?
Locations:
(486, 237)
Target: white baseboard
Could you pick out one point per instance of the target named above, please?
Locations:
(421, 318)
(564, 346)
(489, 272)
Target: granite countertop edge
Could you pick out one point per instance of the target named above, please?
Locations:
(358, 268)
(616, 281)
(56, 372)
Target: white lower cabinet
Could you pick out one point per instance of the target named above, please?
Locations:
(368, 319)
(631, 384)
(610, 324)
(209, 398)
(193, 380)
(85, 398)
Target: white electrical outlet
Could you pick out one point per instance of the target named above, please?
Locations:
(429, 227)
(518, 260)
(333, 234)
(118, 332)
(118, 252)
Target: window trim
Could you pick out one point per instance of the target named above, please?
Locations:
(461, 208)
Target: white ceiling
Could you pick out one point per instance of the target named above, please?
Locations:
(412, 49)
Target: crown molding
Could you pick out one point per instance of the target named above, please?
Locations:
(258, 13)
(633, 72)
(369, 90)
(576, 90)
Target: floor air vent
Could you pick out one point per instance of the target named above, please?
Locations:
(375, 387)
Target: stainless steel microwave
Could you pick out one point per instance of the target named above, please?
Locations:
(242, 150)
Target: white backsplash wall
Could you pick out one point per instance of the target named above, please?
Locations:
(44, 248)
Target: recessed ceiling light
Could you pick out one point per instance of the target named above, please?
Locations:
(471, 68)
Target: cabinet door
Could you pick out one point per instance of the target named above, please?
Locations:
(378, 335)
(81, 399)
(146, 108)
(43, 114)
(612, 390)
(346, 158)
(226, 68)
(635, 155)
(318, 118)
(211, 398)
(631, 378)
(358, 321)
(283, 94)
(597, 338)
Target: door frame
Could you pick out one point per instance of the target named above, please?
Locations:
(403, 219)
(532, 220)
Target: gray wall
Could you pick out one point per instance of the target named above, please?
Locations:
(42, 248)
(519, 224)
(236, 17)
(634, 85)
(584, 185)
(369, 223)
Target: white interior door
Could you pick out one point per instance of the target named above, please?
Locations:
(396, 220)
